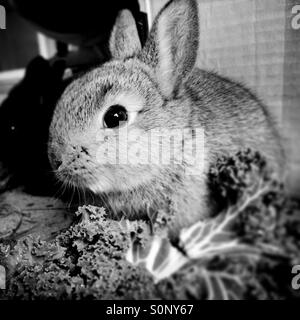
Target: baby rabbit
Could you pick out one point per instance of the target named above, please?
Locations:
(149, 92)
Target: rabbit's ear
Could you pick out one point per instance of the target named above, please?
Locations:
(176, 34)
(124, 40)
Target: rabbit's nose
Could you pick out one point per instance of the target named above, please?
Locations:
(55, 159)
(57, 164)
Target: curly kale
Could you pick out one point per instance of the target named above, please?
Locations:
(245, 251)
(85, 261)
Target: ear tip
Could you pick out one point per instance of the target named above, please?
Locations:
(125, 15)
(124, 40)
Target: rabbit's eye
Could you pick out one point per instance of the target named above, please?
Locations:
(114, 115)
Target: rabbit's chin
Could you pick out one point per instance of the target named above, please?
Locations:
(105, 185)
(101, 187)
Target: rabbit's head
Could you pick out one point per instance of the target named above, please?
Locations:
(106, 130)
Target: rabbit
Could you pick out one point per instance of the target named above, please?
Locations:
(157, 87)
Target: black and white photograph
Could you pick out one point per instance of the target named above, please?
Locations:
(149, 150)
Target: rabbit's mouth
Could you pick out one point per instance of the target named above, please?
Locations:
(86, 177)
(68, 177)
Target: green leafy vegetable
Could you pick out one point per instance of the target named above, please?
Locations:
(245, 251)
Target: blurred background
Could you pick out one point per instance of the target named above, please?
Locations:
(76, 31)
(251, 41)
